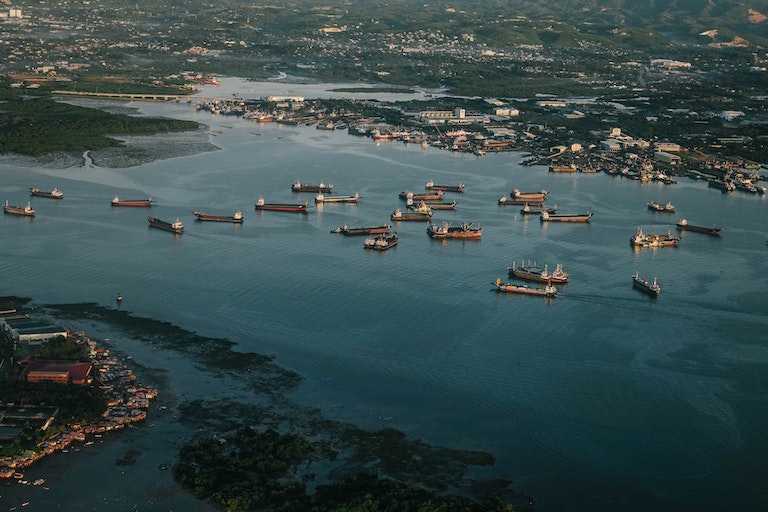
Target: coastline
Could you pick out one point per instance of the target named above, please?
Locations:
(204, 386)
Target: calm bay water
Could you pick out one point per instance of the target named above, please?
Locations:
(601, 398)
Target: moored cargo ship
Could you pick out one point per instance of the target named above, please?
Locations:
(504, 200)
(533, 273)
(684, 225)
(548, 291)
(322, 198)
(464, 231)
(565, 217)
(651, 288)
(381, 242)
(531, 196)
(430, 185)
(237, 218)
(362, 230)
(174, 227)
(308, 187)
(281, 207)
(25, 211)
(116, 201)
(50, 194)
(640, 239)
(398, 214)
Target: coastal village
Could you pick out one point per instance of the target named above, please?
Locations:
(127, 400)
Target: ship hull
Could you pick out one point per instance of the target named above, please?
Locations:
(165, 226)
(134, 203)
(363, 230)
(699, 229)
(53, 194)
(524, 290)
(204, 217)
(565, 217)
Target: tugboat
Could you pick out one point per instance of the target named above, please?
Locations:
(174, 227)
(683, 224)
(381, 242)
(281, 207)
(237, 218)
(548, 291)
(533, 273)
(651, 288)
(141, 203)
(26, 211)
(52, 194)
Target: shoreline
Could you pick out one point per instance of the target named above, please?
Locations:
(205, 386)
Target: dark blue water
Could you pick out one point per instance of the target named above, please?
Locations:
(601, 398)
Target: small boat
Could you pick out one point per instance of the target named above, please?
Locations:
(237, 218)
(532, 196)
(651, 288)
(381, 242)
(548, 291)
(25, 211)
(362, 230)
(399, 215)
(640, 239)
(657, 207)
(436, 196)
(565, 217)
(52, 194)
(533, 273)
(307, 187)
(116, 201)
(430, 185)
(537, 210)
(281, 207)
(504, 200)
(174, 227)
(683, 224)
(463, 231)
(322, 198)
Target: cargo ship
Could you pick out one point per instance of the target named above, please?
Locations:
(381, 242)
(281, 207)
(25, 211)
(640, 239)
(116, 201)
(322, 198)
(504, 200)
(565, 217)
(562, 168)
(651, 288)
(463, 231)
(398, 215)
(237, 218)
(307, 187)
(657, 207)
(683, 224)
(548, 291)
(174, 227)
(430, 185)
(537, 210)
(531, 196)
(362, 230)
(434, 196)
(533, 273)
(50, 194)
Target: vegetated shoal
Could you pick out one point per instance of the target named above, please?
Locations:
(347, 450)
